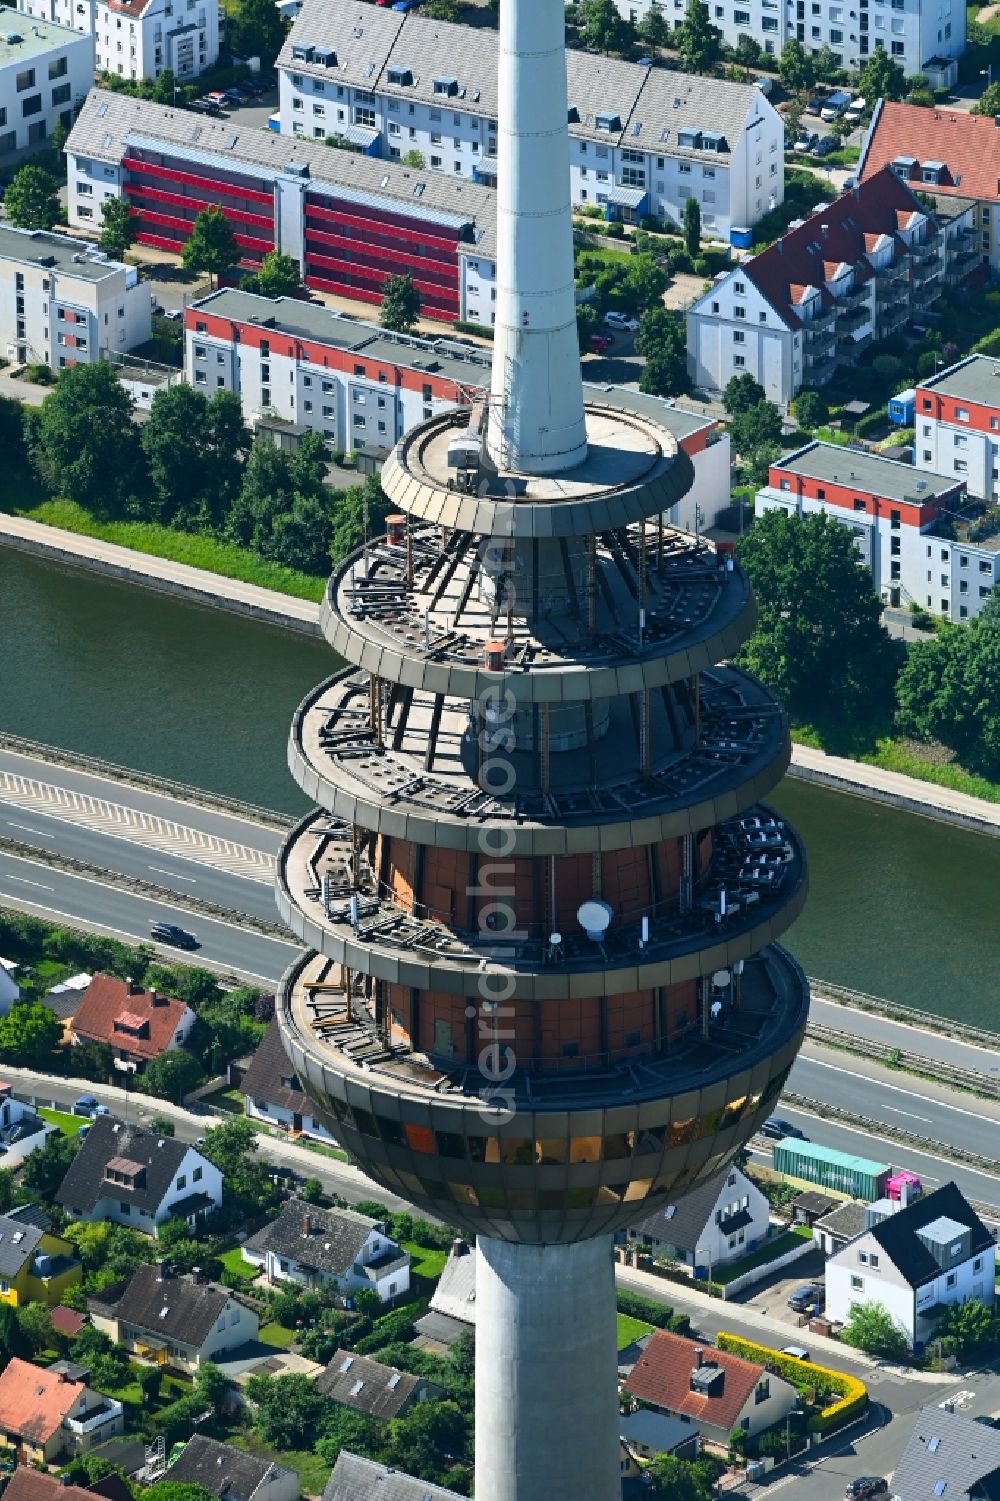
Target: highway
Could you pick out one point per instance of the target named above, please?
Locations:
(196, 851)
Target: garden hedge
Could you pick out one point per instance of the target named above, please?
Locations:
(850, 1395)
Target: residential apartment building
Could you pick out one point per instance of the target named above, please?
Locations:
(349, 221)
(45, 72)
(856, 270)
(63, 302)
(923, 36)
(642, 139)
(949, 153)
(136, 39)
(957, 425)
(905, 523)
(916, 1261)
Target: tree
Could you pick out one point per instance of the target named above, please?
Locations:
(278, 276)
(256, 29)
(312, 1190)
(755, 427)
(698, 41)
(14, 1343)
(603, 28)
(212, 244)
(678, 1480)
(211, 1385)
(796, 67)
(692, 226)
(749, 52)
(881, 78)
(36, 1326)
(165, 87)
(233, 1147)
(826, 64)
(988, 102)
(645, 281)
(947, 689)
(871, 1327)
(117, 227)
(93, 1060)
(31, 201)
(429, 1431)
(586, 324)
(818, 642)
(968, 1325)
(812, 409)
(400, 308)
(172, 1075)
(29, 1034)
(175, 1490)
(661, 340)
(195, 450)
(13, 444)
(286, 1410)
(150, 1380)
(46, 1167)
(359, 511)
(442, 10)
(83, 443)
(653, 30)
(742, 392)
(344, 1429)
(415, 158)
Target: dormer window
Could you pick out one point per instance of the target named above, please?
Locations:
(932, 172)
(607, 121)
(690, 137)
(446, 85)
(301, 53)
(326, 56)
(124, 1173)
(402, 77)
(131, 1025)
(904, 166)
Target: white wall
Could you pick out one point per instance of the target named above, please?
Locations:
(52, 94)
(178, 34)
(733, 330)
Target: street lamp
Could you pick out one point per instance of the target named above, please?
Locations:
(987, 72)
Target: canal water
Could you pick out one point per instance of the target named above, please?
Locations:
(900, 906)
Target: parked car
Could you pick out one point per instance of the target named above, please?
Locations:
(169, 932)
(621, 321)
(825, 145)
(174, 315)
(797, 1352)
(776, 1128)
(806, 140)
(864, 1486)
(599, 344)
(809, 1296)
(85, 1105)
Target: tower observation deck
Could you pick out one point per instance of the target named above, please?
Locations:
(541, 893)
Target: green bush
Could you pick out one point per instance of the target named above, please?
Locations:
(872, 423)
(636, 1307)
(615, 230)
(393, 1328)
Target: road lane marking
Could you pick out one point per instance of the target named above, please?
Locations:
(909, 1115)
(40, 833)
(174, 875)
(896, 1089)
(25, 882)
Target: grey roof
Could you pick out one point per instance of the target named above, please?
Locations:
(878, 476)
(357, 1479)
(671, 101)
(844, 1222)
(84, 1183)
(965, 1453)
(220, 1468)
(172, 1308)
(332, 1244)
(455, 1294)
(70, 256)
(17, 1244)
(899, 1234)
(656, 1430)
(312, 321)
(441, 1328)
(975, 379)
(435, 49)
(682, 1224)
(35, 37)
(367, 1385)
(360, 35)
(108, 123)
(814, 1202)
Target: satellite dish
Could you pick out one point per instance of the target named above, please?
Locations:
(555, 938)
(720, 979)
(594, 917)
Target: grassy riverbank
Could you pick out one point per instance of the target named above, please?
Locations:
(923, 763)
(179, 547)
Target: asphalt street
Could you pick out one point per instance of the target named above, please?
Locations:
(883, 1029)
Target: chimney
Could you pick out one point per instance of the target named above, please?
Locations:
(698, 1352)
(156, 999)
(161, 1271)
(307, 1224)
(459, 1247)
(65, 1480)
(131, 988)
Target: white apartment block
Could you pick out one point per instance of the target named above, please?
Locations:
(45, 72)
(64, 303)
(923, 36)
(139, 38)
(909, 527)
(790, 316)
(956, 416)
(642, 139)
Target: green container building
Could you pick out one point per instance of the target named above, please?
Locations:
(824, 1167)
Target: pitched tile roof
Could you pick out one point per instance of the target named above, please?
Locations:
(18, 1244)
(269, 1070)
(325, 1240)
(367, 1385)
(945, 1446)
(682, 1224)
(151, 1019)
(219, 1468)
(662, 1377)
(844, 1222)
(39, 1485)
(967, 145)
(84, 1184)
(357, 1479)
(897, 1233)
(174, 1308)
(832, 237)
(33, 1402)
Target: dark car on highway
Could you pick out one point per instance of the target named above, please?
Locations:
(864, 1486)
(169, 932)
(776, 1128)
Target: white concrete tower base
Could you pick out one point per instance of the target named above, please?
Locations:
(546, 1372)
(537, 423)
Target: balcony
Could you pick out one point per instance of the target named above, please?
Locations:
(817, 342)
(821, 366)
(888, 279)
(853, 319)
(852, 299)
(893, 317)
(850, 348)
(106, 1411)
(924, 271)
(921, 249)
(822, 320)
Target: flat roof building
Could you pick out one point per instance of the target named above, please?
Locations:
(45, 72)
(136, 39)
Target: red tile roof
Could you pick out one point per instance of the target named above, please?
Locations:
(38, 1485)
(967, 145)
(662, 1376)
(67, 1320)
(838, 236)
(107, 1000)
(34, 1402)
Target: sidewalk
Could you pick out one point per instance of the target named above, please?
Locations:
(893, 787)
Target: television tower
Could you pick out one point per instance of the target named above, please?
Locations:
(541, 895)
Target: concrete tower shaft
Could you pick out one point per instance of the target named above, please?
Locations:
(537, 423)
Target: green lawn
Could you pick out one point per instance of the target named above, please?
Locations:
(69, 1125)
(237, 1267)
(629, 1330)
(426, 1263)
(313, 1473)
(767, 1252)
(180, 547)
(276, 1335)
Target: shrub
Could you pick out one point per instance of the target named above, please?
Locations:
(396, 1327)
(636, 1307)
(615, 230)
(850, 1396)
(872, 423)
